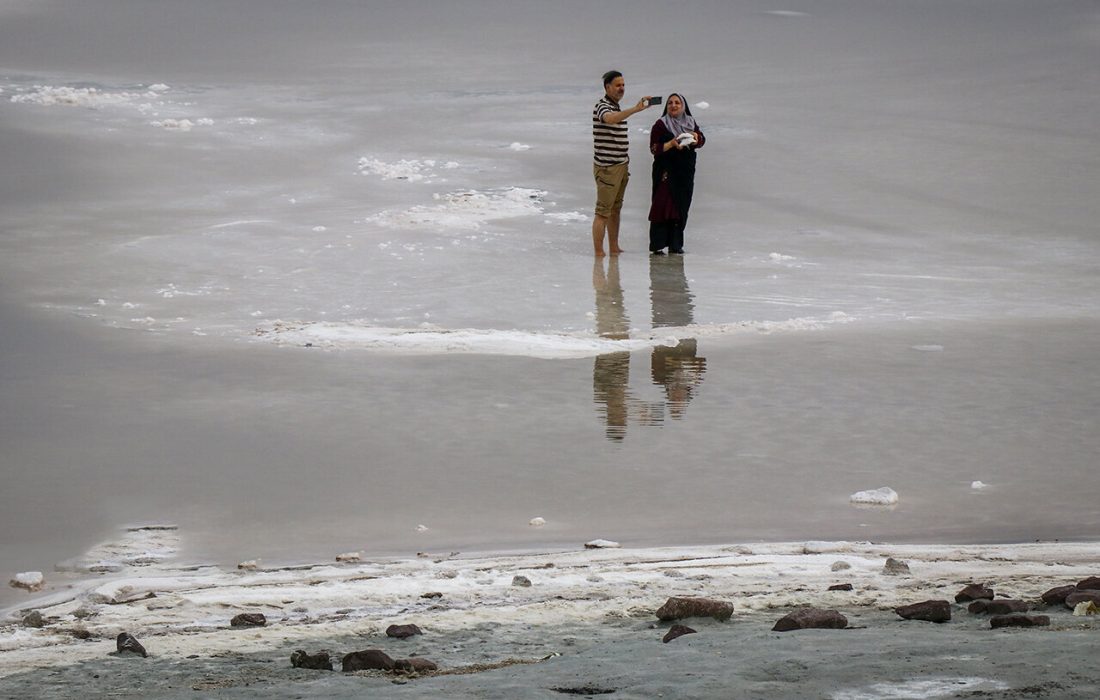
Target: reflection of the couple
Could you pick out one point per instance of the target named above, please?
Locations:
(677, 368)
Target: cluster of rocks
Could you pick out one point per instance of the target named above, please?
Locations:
(1082, 597)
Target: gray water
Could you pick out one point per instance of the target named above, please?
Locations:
(891, 275)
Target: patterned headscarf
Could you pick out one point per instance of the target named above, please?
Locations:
(684, 123)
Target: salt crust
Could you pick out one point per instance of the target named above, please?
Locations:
(193, 603)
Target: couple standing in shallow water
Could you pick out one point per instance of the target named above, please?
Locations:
(673, 141)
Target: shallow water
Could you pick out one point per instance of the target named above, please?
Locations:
(891, 276)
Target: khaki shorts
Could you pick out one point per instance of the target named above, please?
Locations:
(610, 187)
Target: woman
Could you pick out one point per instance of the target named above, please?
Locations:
(673, 141)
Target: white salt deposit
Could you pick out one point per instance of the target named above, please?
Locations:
(29, 580)
(421, 528)
(49, 95)
(517, 146)
(410, 170)
(779, 257)
(465, 211)
(977, 485)
(702, 105)
(565, 218)
(601, 544)
(921, 689)
(537, 522)
(174, 124)
(928, 348)
(884, 496)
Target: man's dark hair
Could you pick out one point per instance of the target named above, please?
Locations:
(609, 76)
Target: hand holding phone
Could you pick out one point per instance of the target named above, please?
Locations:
(655, 101)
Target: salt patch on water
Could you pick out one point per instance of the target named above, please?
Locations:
(465, 211)
(920, 689)
(517, 146)
(411, 170)
(565, 218)
(884, 496)
(49, 95)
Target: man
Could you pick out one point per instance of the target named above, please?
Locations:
(612, 157)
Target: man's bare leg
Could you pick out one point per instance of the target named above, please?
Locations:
(613, 233)
(599, 225)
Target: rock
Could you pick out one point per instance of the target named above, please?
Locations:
(1092, 583)
(811, 618)
(521, 581)
(32, 581)
(1085, 607)
(80, 633)
(34, 619)
(840, 566)
(127, 643)
(602, 544)
(366, 660)
(349, 557)
(83, 613)
(679, 608)
(402, 631)
(431, 594)
(895, 567)
(997, 607)
(928, 610)
(677, 631)
(250, 565)
(1057, 595)
(841, 587)
(1019, 621)
(1082, 596)
(248, 620)
(415, 664)
(317, 662)
(884, 496)
(975, 591)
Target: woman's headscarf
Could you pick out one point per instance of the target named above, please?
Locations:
(684, 123)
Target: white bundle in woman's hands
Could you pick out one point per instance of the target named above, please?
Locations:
(686, 139)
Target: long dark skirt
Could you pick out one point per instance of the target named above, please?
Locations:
(673, 188)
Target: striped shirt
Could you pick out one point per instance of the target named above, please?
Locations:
(609, 140)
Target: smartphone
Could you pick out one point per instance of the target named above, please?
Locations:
(655, 101)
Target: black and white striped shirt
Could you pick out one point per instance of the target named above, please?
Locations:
(609, 140)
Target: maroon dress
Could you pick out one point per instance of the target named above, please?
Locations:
(673, 186)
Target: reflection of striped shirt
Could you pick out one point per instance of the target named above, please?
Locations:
(609, 139)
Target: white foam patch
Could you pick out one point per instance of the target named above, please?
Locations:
(440, 341)
(702, 105)
(465, 211)
(884, 496)
(920, 689)
(517, 146)
(566, 217)
(174, 124)
(409, 170)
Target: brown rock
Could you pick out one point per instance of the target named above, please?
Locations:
(928, 611)
(1081, 597)
(127, 643)
(841, 587)
(521, 581)
(1092, 583)
(402, 631)
(1057, 595)
(432, 594)
(1019, 621)
(248, 620)
(811, 618)
(677, 631)
(975, 591)
(895, 567)
(370, 659)
(997, 607)
(680, 608)
(317, 662)
(415, 664)
(34, 619)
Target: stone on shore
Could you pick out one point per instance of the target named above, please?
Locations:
(349, 557)
(1086, 607)
(602, 544)
(317, 662)
(32, 581)
(415, 664)
(367, 660)
(811, 618)
(841, 587)
(127, 643)
(998, 621)
(840, 565)
(1081, 596)
(248, 620)
(1092, 583)
(431, 594)
(677, 631)
(677, 608)
(34, 619)
(997, 607)
(522, 581)
(975, 591)
(402, 631)
(895, 567)
(928, 611)
(1057, 595)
